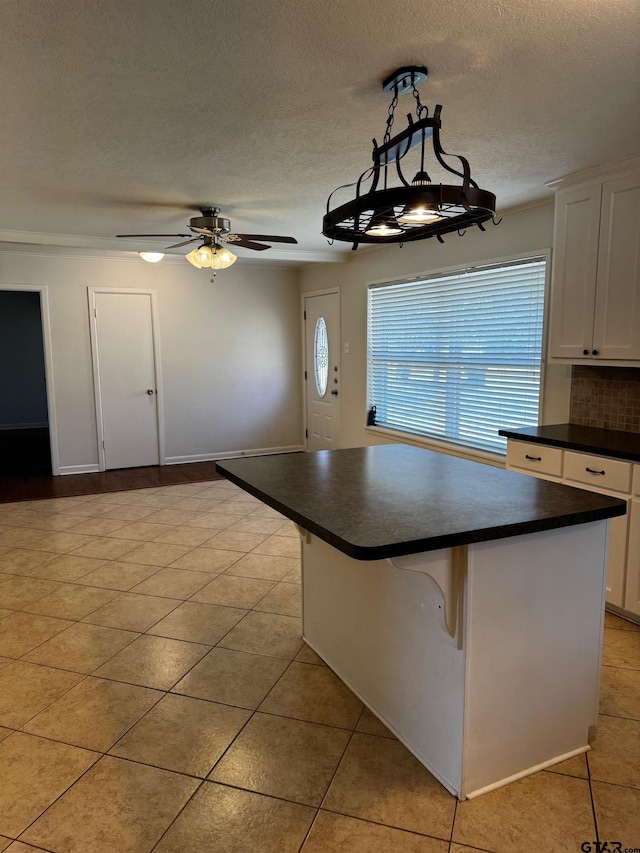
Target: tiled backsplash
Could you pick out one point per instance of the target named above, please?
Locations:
(606, 397)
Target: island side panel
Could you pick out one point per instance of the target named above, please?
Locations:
(534, 641)
(381, 629)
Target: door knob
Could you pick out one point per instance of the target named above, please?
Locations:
(150, 392)
(334, 392)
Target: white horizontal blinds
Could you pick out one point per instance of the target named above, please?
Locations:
(457, 356)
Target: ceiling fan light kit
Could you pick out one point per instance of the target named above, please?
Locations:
(218, 257)
(388, 208)
(212, 232)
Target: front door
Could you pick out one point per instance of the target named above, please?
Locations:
(125, 378)
(322, 363)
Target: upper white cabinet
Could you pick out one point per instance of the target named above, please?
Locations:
(595, 296)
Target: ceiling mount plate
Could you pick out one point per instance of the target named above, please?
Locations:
(404, 79)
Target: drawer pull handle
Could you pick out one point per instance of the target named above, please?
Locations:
(535, 458)
(591, 471)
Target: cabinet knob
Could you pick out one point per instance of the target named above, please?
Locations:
(585, 352)
(594, 352)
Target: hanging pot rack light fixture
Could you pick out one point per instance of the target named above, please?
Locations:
(409, 210)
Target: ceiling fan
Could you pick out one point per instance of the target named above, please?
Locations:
(212, 231)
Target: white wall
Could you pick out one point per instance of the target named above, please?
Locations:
(230, 351)
(520, 233)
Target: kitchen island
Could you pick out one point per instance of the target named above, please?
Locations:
(462, 603)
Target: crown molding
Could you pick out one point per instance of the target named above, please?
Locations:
(596, 174)
(99, 246)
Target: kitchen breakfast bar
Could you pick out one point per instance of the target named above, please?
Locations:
(463, 603)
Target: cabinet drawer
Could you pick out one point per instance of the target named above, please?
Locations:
(636, 479)
(537, 458)
(598, 472)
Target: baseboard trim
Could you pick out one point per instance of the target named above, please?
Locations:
(79, 469)
(232, 454)
(31, 425)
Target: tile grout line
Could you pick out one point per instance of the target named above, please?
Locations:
(591, 797)
(68, 788)
(253, 712)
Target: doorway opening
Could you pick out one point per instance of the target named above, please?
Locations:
(25, 436)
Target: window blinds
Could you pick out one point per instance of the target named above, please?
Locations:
(457, 357)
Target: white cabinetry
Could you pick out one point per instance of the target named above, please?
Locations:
(598, 474)
(595, 297)
(536, 459)
(632, 593)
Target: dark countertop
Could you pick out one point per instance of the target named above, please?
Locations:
(604, 442)
(386, 501)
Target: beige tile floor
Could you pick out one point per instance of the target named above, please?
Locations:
(155, 694)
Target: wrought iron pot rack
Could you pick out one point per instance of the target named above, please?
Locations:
(376, 216)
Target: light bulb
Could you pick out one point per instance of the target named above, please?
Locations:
(421, 214)
(151, 257)
(203, 254)
(383, 225)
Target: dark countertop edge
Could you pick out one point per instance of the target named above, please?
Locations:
(579, 447)
(433, 543)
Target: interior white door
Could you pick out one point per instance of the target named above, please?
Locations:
(322, 363)
(126, 378)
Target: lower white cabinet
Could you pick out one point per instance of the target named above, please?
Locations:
(598, 474)
(632, 592)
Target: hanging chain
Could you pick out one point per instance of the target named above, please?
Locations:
(390, 117)
(420, 108)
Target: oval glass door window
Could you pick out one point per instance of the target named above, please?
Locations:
(321, 356)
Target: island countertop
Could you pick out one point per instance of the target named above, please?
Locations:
(604, 442)
(373, 503)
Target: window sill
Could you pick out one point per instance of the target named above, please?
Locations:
(495, 459)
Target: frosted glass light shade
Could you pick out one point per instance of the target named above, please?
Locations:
(151, 257)
(219, 258)
(222, 258)
(200, 257)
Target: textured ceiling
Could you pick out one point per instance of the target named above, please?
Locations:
(124, 115)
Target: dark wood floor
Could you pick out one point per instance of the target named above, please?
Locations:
(29, 487)
(25, 452)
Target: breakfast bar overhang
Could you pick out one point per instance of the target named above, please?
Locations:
(463, 603)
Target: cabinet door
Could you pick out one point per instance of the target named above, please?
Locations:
(632, 592)
(616, 330)
(575, 260)
(617, 550)
(617, 559)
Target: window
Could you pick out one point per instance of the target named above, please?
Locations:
(321, 356)
(457, 356)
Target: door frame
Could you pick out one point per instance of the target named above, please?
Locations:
(305, 367)
(95, 359)
(48, 366)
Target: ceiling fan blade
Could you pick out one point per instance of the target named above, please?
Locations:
(245, 244)
(153, 235)
(269, 238)
(185, 243)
